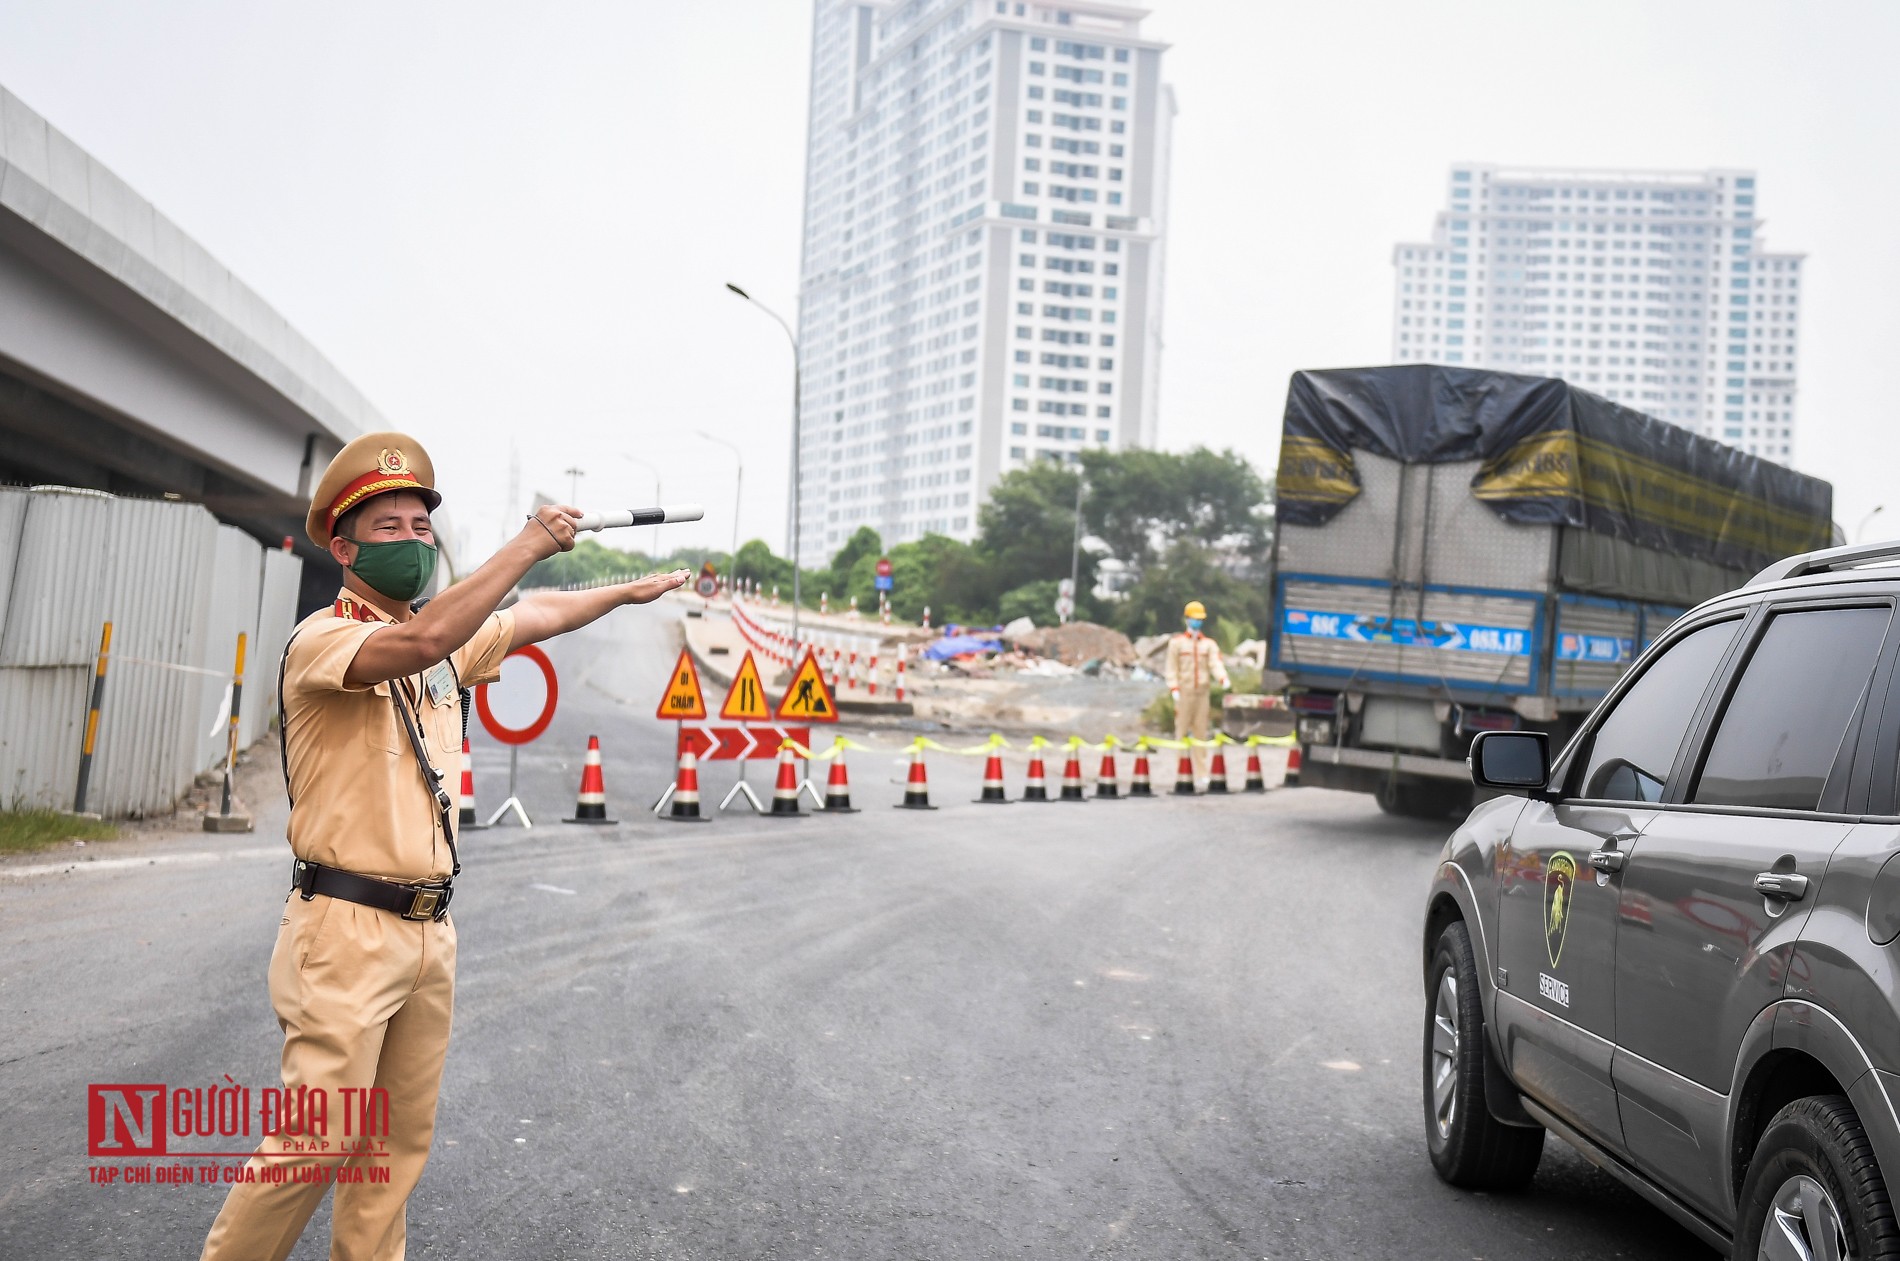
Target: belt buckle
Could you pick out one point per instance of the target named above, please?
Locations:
(427, 904)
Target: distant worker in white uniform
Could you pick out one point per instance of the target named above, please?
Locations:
(1194, 665)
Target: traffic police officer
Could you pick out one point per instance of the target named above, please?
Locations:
(363, 974)
(1193, 666)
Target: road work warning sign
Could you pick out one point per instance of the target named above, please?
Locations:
(807, 699)
(746, 701)
(683, 699)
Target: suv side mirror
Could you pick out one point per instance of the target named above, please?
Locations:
(1514, 761)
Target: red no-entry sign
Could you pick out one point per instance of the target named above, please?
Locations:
(520, 692)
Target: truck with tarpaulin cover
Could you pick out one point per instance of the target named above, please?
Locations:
(1461, 550)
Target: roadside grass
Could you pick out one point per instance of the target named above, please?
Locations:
(22, 831)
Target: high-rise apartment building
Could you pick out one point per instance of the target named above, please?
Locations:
(1651, 288)
(985, 213)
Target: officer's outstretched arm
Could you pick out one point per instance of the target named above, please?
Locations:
(545, 614)
(452, 618)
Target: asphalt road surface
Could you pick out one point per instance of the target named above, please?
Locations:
(1160, 1029)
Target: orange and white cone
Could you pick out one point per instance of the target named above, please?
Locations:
(1293, 766)
(838, 788)
(917, 786)
(993, 793)
(785, 791)
(1217, 770)
(590, 806)
(1184, 775)
(686, 791)
(1138, 785)
(1036, 782)
(1072, 776)
(1256, 778)
(468, 820)
(1108, 781)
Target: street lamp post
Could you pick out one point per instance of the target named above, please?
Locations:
(1867, 520)
(574, 476)
(738, 487)
(794, 530)
(1075, 546)
(658, 496)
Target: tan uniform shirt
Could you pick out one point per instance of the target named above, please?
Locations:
(1193, 663)
(358, 800)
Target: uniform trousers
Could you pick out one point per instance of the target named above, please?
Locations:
(1190, 719)
(365, 998)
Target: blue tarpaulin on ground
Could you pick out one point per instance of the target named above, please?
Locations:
(965, 645)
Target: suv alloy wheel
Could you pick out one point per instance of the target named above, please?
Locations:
(1813, 1191)
(1470, 1148)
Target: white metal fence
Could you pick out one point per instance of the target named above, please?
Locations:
(177, 588)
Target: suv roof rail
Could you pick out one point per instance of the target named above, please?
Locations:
(1828, 558)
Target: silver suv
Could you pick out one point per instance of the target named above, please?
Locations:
(1675, 946)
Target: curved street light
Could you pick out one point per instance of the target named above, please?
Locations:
(657, 497)
(792, 525)
(1866, 520)
(738, 487)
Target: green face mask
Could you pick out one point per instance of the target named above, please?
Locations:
(400, 570)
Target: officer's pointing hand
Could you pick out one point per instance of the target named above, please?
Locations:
(551, 529)
(653, 586)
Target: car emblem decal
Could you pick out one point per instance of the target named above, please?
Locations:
(1560, 879)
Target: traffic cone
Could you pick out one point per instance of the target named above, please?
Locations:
(1256, 778)
(1108, 781)
(467, 820)
(686, 791)
(590, 806)
(785, 791)
(1072, 775)
(1036, 783)
(1293, 766)
(1217, 770)
(917, 787)
(1138, 780)
(993, 793)
(838, 788)
(1184, 775)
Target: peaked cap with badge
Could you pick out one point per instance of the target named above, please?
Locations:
(371, 465)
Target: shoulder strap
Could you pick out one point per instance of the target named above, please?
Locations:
(283, 720)
(399, 697)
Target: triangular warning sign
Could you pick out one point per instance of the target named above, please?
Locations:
(807, 699)
(683, 699)
(746, 701)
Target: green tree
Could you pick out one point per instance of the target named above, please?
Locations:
(757, 562)
(1141, 503)
(864, 545)
(1026, 529)
(590, 561)
(1191, 571)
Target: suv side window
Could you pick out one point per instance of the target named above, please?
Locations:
(1784, 724)
(1632, 749)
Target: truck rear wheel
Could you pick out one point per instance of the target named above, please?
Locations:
(1414, 800)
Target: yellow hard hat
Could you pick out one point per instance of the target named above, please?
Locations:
(1194, 609)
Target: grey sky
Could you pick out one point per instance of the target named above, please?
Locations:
(512, 228)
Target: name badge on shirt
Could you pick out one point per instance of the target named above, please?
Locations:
(441, 684)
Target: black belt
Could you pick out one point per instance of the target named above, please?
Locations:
(424, 901)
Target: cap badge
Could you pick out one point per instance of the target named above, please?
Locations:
(392, 462)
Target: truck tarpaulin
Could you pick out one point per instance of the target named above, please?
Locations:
(1553, 455)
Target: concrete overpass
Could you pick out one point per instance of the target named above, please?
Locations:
(132, 361)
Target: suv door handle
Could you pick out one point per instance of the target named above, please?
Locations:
(1610, 860)
(1782, 886)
